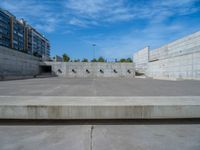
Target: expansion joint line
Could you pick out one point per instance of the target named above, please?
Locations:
(91, 137)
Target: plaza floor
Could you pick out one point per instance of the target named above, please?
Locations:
(99, 134)
(99, 87)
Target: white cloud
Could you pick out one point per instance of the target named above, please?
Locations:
(86, 13)
(124, 45)
(77, 22)
(109, 11)
(39, 15)
(98, 10)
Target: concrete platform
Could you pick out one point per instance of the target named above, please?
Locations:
(45, 107)
(98, 87)
(42, 103)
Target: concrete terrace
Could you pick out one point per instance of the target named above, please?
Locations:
(98, 87)
(35, 99)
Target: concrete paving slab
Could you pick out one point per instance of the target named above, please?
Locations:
(99, 87)
(45, 137)
(146, 137)
(100, 137)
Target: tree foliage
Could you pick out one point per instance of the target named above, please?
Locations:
(66, 58)
(85, 60)
(123, 60)
(94, 60)
(101, 59)
(129, 60)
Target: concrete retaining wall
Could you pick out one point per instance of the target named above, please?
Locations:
(177, 60)
(180, 67)
(15, 64)
(79, 69)
(141, 59)
(186, 45)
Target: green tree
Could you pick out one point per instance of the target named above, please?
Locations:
(85, 60)
(101, 59)
(66, 58)
(122, 60)
(94, 60)
(129, 60)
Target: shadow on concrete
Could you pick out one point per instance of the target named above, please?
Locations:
(14, 122)
(46, 75)
(11, 78)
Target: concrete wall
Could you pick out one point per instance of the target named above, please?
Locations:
(177, 60)
(15, 64)
(180, 67)
(81, 69)
(141, 59)
(186, 45)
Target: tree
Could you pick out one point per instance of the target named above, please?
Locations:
(94, 60)
(66, 58)
(129, 60)
(101, 59)
(122, 60)
(85, 60)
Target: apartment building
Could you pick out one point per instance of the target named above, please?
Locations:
(5, 29)
(17, 34)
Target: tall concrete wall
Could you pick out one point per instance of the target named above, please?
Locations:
(180, 67)
(177, 60)
(80, 69)
(141, 59)
(186, 45)
(15, 64)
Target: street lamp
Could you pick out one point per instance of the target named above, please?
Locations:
(94, 50)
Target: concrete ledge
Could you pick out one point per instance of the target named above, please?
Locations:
(27, 107)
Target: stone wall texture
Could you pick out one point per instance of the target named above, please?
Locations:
(177, 60)
(15, 64)
(85, 69)
(141, 58)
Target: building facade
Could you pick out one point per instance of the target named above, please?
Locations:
(17, 34)
(5, 29)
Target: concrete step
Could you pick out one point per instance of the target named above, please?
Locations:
(45, 75)
(56, 107)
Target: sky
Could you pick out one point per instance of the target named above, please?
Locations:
(117, 27)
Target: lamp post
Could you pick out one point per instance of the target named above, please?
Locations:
(93, 45)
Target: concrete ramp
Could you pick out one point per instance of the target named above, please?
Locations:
(55, 107)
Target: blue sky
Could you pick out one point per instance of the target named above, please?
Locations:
(117, 27)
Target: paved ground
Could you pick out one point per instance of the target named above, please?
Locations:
(123, 135)
(100, 137)
(99, 87)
